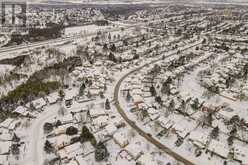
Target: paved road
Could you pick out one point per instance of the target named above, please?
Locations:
(132, 123)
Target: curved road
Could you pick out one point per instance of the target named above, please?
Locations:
(132, 123)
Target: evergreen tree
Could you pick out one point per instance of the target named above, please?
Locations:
(71, 131)
(101, 152)
(15, 138)
(209, 119)
(48, 147)
(215, 132)
(113, 48)
(105, 47)
(107, 104)
(153, 91)
(195, 104)
(112, 57)
(171, 107)
(129, 97)
(183, 105)
(230, 140)
(166, 89)
(86, 135)
(58, 123)
(81, 90)
(159, 100)
(61, 94)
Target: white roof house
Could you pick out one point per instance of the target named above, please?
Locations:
(165, 122)
(218, 148)
(183, 127)
(80, 160)
(146, 159)
(4, 147)
(21, 110)
(134, 150)
(100, 121)
(111, 129)
(39, 103)
(241, 154)
(73, 162)
(53, 98)
(97, 112)
(153, 113)
(121, 139)
(137, 98)
(62, 140)
(70, 94)
(6, 123)
(198, 139)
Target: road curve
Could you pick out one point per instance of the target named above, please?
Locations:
(132, 123)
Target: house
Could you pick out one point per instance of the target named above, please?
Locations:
(117, 121)
(100, 121)
(80, 160)
(73, 162)
(198, 139)
(152, 113)
(5, 146)
(53, 98)
(62, 154)
(21, 110)
(121, 139)
(7, 124)
(134, 150)
(69, 95)
(94, 92)
(183, 127)
(60, 130)
(97, 112)
(73, 150)
(146, 159)
(137, 99)
(111, 129)
(218, 148)
(165, 122)
(39, 103)
(5, 135)
(62, 141)
(240, 154)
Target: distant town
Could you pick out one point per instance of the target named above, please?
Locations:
(122, 83)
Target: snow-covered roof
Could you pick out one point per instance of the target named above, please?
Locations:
(111, 129)
(241, 153)
(137, 98)
(165, 122)
(134, 149)
(72, 162)
(21, 110)
(199, 139)
(183, 127)
(39, 103)
(120, 138)
(81, 160)
(4, 147)
(97, 112)
(218, 148)
(100, 121)
(70, 94)
(6, 123)
(146, 159)
(53, 98)
(61, 140)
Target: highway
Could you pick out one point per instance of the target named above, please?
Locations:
(148, 137)
(4, 52)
